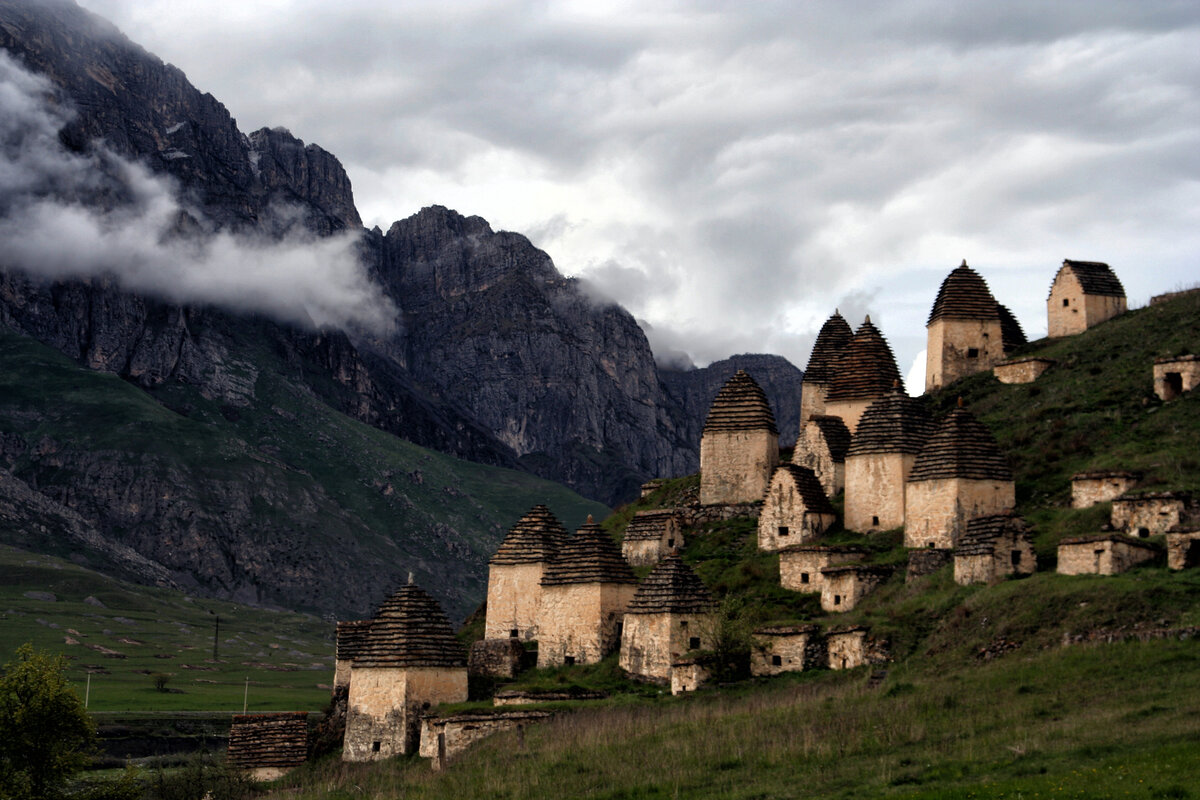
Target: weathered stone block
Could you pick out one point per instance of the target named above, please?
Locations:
(1022, 370)
(1100, 486)
(1109, 554)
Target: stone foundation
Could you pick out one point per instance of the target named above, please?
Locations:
(1109, 554)
(1100, 486)
(1022, 370)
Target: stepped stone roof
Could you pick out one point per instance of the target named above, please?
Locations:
(831, 341)
(832, 549)
(982, 533)
(268, 740)
(1177, 359)
(671, 588)
(867, 368)
(590, 556)
(963, 295)
(1108, 537)
(835, 433)
(411, 630)
(807, 485)
(961, 447)
(787, 630)
(741, 405)
(1011, 334)
(1095, 277)
(351, 636)
(895, 423)
(537, 536)
(648, 525)
(876, 570)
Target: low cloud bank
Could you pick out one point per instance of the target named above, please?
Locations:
(66, 215)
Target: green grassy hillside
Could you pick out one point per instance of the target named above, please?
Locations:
(1048, 686)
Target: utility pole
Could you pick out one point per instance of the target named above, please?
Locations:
(87, 693)
(216, 633)
(246, 695)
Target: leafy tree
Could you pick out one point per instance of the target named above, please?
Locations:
(45, 732)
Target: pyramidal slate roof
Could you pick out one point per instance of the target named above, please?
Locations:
(983, 532)
(835, 433)
(741, 405)
(410, 630)
(961, 447)
(1095, 277)
(895, 423)
(807, 486)
(268, 740)
(351, 636)
(648, 525)
(671, 588)
(1011, 334)
(963, 295)
(831, 341)
(590, 556)
(867, 368)
(537, 536)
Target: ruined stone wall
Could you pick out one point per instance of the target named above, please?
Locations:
(988, 567)
(936, 512)
(800, 570)
(1024, 370)
(1088, 490)
(812, 401)
(1183, 549)
(496, 658)
(736, 466)
(650, 643)
(842, 590)
(875, 490)
(957, 348)
(460, 731)
(581, 621)
(1151, 515)
(785, 519)
(850, 411)
(688, 677)
(513, 599)
(846, 649)
(385, 707)
(1100, 557)
(775, 654)
(1188, 370)
(926, 561)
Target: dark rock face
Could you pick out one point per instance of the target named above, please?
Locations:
(693, 391)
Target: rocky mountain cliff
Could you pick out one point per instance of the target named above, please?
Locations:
(494, 356)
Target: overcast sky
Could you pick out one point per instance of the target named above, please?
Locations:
(733, 171)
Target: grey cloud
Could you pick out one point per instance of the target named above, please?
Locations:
(50, 232)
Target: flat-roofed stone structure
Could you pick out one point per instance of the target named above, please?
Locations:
(515, 575)
(1106, 554)
(993, 547)
(846, 647)
(1022, 370)
(835, 334)
(787, 648)
(268, 746)
(822, 447)
(585, 592)
(1183, 549)
(348, 640)
(670, 615)
(800, 565)
(844, 586)
(516, 697)
(1100, 486)
(739, 448)
(963, 333)
(1174, 376)
(1083, 294)
(409, 662)
(881, 455)
(688, 675)
(443, 738)
(1152, 513)
(795, 509)
(866, 372)
(959, 474)
(650, 536)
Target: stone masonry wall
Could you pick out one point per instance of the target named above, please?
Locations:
(1183, 549)
(736, 466)
(1104, 556)
(1024, 370)
(580, 621)
(460, 731)
(812, 401)
(875, 490)
(496, 658)
(800, 570)
(950, 343)
(850, 411)
(846, 649)
(843, 589)
(1188, 370)
(650, 643)
(513, 600)
(785, 519)
(1081, 311)
(1088, 490)
(936, 512)
(1151, 515)
(985, 568)
(776, 653)
(385, 705)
